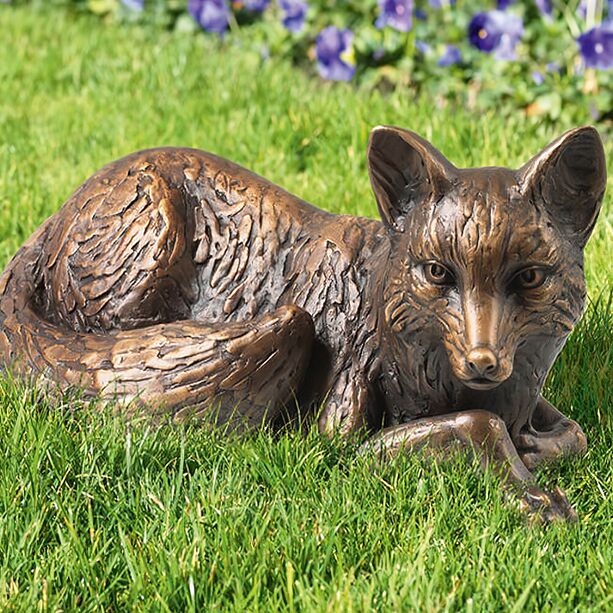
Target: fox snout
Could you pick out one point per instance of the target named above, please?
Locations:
(484, 368)
(483, 362)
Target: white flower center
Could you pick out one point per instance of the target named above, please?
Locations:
(599, 48)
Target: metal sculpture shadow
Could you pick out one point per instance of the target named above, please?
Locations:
(174, 280)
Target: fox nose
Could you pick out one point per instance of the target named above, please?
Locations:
(482, 361)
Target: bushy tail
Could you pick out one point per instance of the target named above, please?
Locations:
(248, 370)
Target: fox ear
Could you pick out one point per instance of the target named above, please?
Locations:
(570, 176)
(404, 170)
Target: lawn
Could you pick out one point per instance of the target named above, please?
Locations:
(96, 514)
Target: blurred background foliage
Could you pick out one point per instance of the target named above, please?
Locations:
(549, 58)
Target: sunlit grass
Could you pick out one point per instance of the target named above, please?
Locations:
(98, 514)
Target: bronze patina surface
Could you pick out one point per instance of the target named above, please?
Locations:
(176, 279)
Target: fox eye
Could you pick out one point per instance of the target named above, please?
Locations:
(437, 274)
(529, 278)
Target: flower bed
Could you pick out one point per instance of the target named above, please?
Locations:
(545, 56)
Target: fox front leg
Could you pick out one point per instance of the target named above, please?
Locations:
(549, 437)
(485, 434)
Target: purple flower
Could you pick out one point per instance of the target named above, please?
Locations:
(482, 32)
(294, 14)
(538, 77)
(497, 32)
(420, 14)
(332, 47)
(212, 15)
(544, 6)
(422, 46)
(504, 4)
(134, 5)
(596, 46)
(397, 14)
(452, 55)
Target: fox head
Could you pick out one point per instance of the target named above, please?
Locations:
(486, 264)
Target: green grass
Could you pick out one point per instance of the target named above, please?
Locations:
(96, 514)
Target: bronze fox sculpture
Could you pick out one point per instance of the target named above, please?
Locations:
(177, 279)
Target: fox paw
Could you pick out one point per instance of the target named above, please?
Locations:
(547, 507)
(565, 439)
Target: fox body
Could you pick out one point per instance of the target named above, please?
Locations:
(176, 279)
